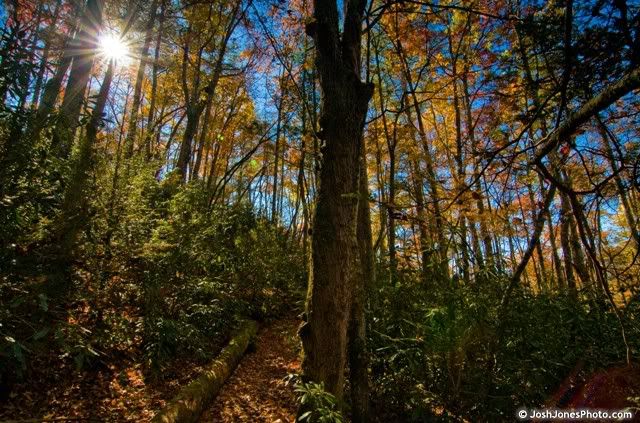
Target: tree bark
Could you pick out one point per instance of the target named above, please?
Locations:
(85, 47)
(73, 212)
(484, 232)
(335, 270)
(45, 58)
(434, 185)
(276, 152)
(622, 193)
(358, 357)
(52, 89)
(137, 91)
(154, 80)
(195, 105)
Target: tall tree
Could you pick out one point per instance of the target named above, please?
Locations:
(335, 268)
(84, 50)
(137, 93)
(228, 19)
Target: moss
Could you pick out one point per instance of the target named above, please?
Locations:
(193, 398)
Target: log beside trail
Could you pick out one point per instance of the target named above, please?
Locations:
(187, 406)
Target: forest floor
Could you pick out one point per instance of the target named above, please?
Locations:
(257, 391)
(117, 390)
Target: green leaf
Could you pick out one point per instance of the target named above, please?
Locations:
(305, 416)
(43, 302)
(41, 333)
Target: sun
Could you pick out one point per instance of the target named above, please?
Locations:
(112, 47)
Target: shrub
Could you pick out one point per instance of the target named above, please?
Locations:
(438, 353)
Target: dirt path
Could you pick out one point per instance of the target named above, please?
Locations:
(256, 392)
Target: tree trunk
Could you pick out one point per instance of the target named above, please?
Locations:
(203, 137)
(334, 246)
(389, 207)
(74, 207)
(442, 244)
(358, 357)
(45, 59)
(543, 271)
(565, 242)
(195, 105)
(460, 177)
(52, 89)
(484, 232)
(154, 80)
(626, 205)
(276, 153)
(426, 257)
(137, 91)
(85, 45)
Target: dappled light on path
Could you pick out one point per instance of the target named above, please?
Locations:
(257, 392)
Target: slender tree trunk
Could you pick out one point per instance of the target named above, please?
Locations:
(579, 262)
(461, 174)
(276, 152)
(37, 90)
(204, 132)
(622, 193)
(154, 80)
(52, 89)
(565, 242)
(389, 207)
(557, 264)
(484, 231)
(73, 213)
(543, 270)
(195, 105)
(85, 46)
(442, 244)
(25, 79)
(358, 357)
(137, 91)
(425, 248)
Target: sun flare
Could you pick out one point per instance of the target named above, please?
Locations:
(114, 48)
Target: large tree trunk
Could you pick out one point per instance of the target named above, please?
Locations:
(334, 246)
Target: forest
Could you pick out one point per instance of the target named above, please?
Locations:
(318, 210)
